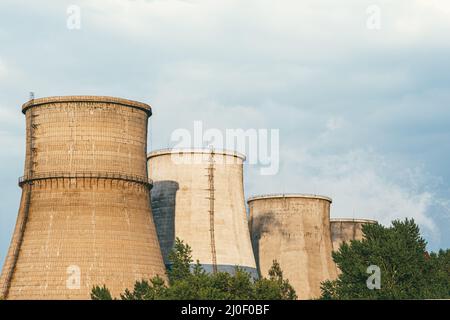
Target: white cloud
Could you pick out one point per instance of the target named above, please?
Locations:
(289, 27)
(3, 70)
(335, 123)
(10, 117)
(358, 111)
(361, 184)
(14, 145)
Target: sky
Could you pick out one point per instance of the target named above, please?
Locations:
(358, 90)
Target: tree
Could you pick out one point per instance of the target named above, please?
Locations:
(194, 283)
(100, 293)
(407, 271)
(276, 287)
(439, 266)
(144, 290)
(181, 260)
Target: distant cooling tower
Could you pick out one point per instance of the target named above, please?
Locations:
(198, 196)
(345, 230)
(84, 216)
(294, 230)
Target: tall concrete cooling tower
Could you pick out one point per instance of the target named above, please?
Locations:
(84, 216)
(294, 230)
(198, 196)
(345, 230)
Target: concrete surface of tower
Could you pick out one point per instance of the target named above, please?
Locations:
(84, 216)
(294, 229)
(345, 230)
(198, 196)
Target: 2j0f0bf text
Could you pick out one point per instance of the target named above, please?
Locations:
(229, 310)
(246, 309)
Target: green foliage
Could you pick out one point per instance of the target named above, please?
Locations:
(181, 259)
(407, 270)
(144, 290)
(101, 293)
(276, 287)
(194, 283)
(286, 291)
(439, 266)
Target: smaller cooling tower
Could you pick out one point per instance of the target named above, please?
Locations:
(345, 230)
(294, 229)
(198, 196)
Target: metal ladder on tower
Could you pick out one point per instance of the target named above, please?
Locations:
(211, 198)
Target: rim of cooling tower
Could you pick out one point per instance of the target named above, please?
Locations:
(105, 99)
(225, 152)
(86, 175)
(288, 195)
(353, 220)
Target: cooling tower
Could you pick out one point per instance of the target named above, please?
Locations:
(345, 230)
(198, 196)
(84, 216)
(294, 230)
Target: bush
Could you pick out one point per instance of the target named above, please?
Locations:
(187, 283)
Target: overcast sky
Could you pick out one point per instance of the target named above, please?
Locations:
(363, 113)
